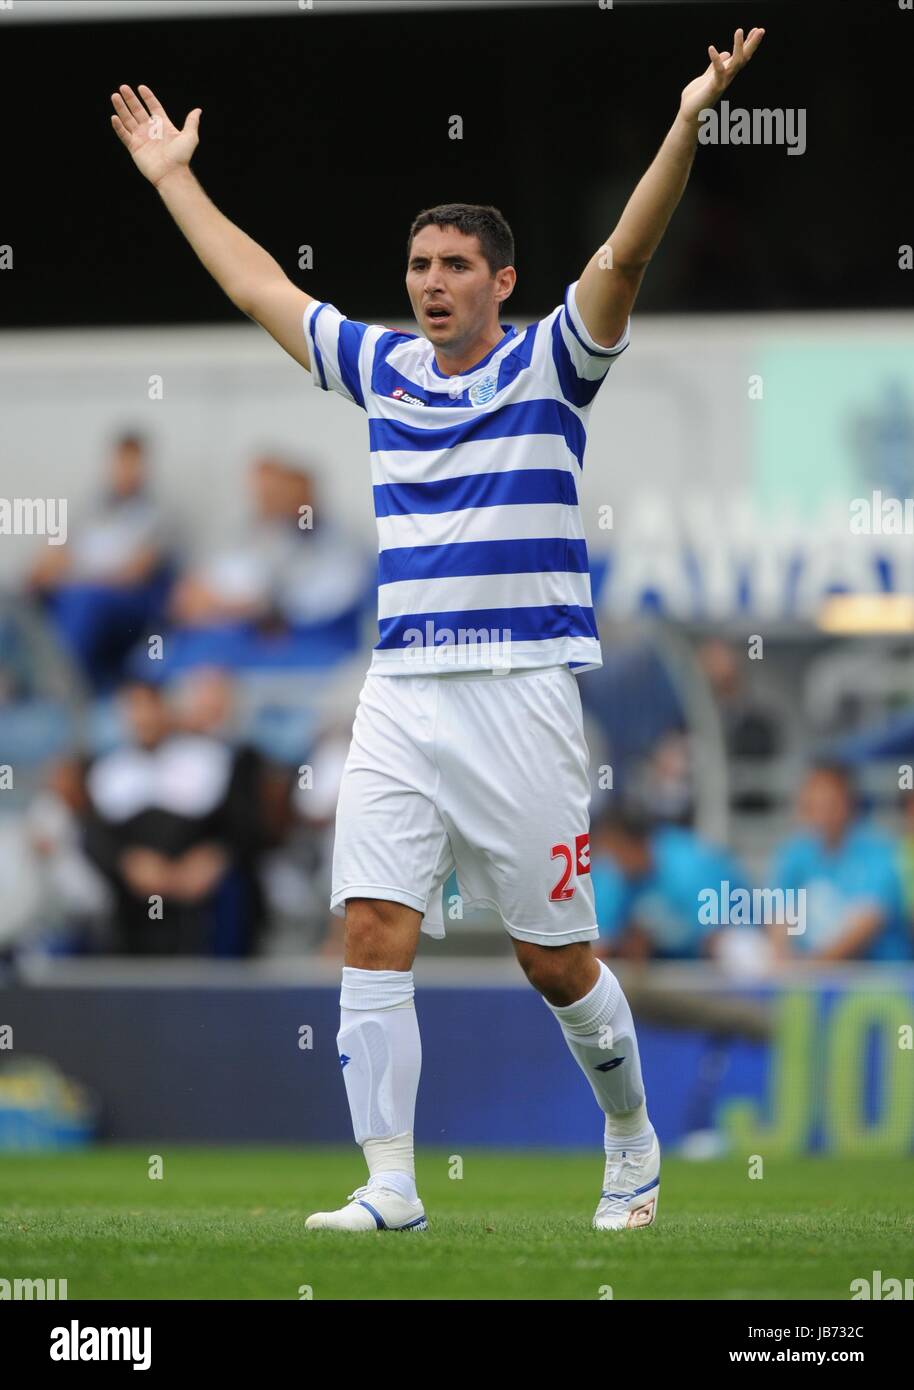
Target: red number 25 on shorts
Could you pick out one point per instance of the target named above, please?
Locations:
(575, 861)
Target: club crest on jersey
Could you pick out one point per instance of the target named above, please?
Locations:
(400, 395)
(483, 391)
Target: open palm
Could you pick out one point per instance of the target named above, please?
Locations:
(722, 69)
(156, 146)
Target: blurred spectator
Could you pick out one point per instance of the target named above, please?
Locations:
(108, 583)
(292, 588)
(758, 721)
(75, 899)
(906, 856)
(204, 704)
(297, 873)
(633, 700)
(170, 824)
(751, 720)
(21, 898)
(663, 782)
(233, 586)
(18, 675)
(648, 880)
(854, 906)
(54, 900)
(37, 694)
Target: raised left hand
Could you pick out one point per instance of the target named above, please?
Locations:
(707, 89)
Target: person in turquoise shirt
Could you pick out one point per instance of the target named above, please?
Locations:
(649, 883)
(850, 870)
(906, 854)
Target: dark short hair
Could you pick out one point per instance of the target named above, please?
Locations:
(142, 685)
(129, 439)
(496, 240)
(629, 819)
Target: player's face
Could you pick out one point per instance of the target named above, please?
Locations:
(453, 293)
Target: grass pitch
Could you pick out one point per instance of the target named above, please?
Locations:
(229, 1223)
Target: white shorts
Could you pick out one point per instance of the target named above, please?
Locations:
(486, 772)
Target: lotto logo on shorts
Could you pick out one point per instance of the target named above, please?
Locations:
(575, 861)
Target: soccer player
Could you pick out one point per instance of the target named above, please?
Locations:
(468, 748)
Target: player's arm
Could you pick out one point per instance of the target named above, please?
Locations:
(248, 274)
(607, 288)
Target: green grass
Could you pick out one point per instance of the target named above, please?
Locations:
(229, 1223)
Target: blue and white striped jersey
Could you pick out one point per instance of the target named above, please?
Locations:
(483, 561)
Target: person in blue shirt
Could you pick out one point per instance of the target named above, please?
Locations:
(854, 899)
(651, 886)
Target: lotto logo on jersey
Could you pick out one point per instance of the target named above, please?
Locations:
(575, 861)
(400, 395)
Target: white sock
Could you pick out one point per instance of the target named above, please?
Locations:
(599, 1029)
(392, 1163)
(381, 1056)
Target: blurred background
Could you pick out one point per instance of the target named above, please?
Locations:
(188, 567)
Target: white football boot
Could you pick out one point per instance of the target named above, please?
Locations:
(372, 1207)
(631, 1190)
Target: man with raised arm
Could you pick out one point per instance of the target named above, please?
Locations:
(468, 748)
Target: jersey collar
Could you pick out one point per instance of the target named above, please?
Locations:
(509, 332)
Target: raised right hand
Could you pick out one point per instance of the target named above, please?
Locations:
(156, 146)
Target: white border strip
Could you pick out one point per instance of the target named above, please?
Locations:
(95, 11)
(495, 972)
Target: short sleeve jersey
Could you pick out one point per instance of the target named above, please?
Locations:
(482, 554)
